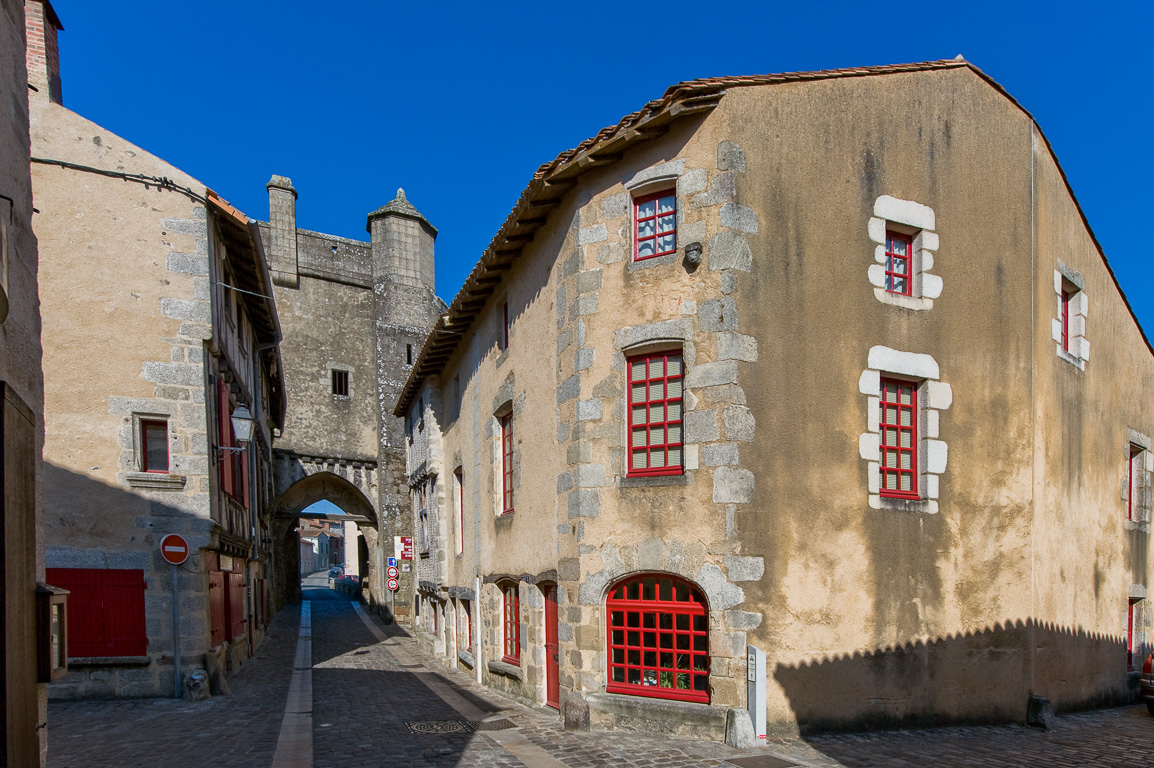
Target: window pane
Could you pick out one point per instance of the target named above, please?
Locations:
(666, 243)
(640, 460)
(674, 365)
(639, 393)
(657, 390)
(637, 370)
(666, 223)
(657, 413)
(906, 480)
(156, 445)
(900, 284)
(656, 367)
(639, 415)
(645, 228)
(674, 388)
(906, 438)
(640, 438)
(647, 208)
(674, 406)
(666, 204)
(674, 433)
(645, 249)
(907, 461)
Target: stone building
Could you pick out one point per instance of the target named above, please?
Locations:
(22, 693)
(353, 314)
(159, 329)
(799, 362)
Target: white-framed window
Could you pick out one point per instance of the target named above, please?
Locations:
(1068, 326)
(1136, 483)
(905, 243)
(901, 445)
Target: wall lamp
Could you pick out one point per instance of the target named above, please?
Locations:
(242, 422)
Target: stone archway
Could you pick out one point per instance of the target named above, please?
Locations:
(287, 509)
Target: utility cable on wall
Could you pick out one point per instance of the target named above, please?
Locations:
(161, 182)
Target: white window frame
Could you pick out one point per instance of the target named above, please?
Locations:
(919, 223)
(1072, 282)
(933, 397)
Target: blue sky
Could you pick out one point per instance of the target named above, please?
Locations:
(459, 103)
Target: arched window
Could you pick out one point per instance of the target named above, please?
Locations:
(658, 639)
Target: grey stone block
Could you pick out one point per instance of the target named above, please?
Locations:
(167, 373)
(562, 305)
(730, 157)
(712, 374)
(739, 217)
(593, 234)
(589, 280)
(730, 250)
(185, 226)
(564, 339)
(583, 359)
(592, 476)
(650, 554)
(584, 503)
(732, 485)
(739, 423)
(728, 282)
(717, 315)
(187, 264)
(615, 205)
(736, 346)
(588, 410)
(745, 568)
(584, 305)
(568, 569)
(701, 426)
(722, 595)
(570, 388)
(564, 482)
(610, 254)
(720, 455)
(592, 588)
(742, 620)
(610, 386)
(692, 181)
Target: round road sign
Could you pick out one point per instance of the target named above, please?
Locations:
(393, 584)
(174, 548)
(392, 571)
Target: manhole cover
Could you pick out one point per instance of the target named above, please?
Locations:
(492, 725)
(439, 726)
(760, 761)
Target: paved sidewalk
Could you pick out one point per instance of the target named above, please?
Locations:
(385, 704)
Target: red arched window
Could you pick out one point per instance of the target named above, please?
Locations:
(658, 639)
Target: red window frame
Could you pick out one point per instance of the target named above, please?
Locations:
(655, 413)
(468, 614)
(898, 425)
(1064, 309)
(105, 610)
(511, 624)
(507, 463)
(655, 235)
(899, 266)
(146, 464)
(658, 639)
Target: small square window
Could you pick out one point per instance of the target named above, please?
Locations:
(154, 445)
(899, 263)
(655, 225)
(340, 383)
(655, 401)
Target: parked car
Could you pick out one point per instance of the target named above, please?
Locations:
(349, 584)
(335, 571)
(1146, 683)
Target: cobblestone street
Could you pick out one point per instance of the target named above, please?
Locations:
(377, 702)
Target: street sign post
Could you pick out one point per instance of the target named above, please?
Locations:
(392, 571)
(174, 549)
(393, 584)
(392, 562)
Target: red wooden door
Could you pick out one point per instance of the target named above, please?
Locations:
(552, 677)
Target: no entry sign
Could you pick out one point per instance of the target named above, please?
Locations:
(174, 548)
(393, 584)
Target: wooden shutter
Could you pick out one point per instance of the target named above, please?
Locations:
(105, 610)
(216, 606)
(226, 461)
(124, 633)
(85, 608)
(235, 603)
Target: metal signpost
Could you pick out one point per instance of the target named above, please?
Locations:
(174, 549)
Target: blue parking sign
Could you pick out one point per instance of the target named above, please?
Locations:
(392, 562)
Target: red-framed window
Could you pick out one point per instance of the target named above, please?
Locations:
(899, 439)
(1064, 312)
(507, 463)
(658, 639)
(655, 225)
(655, 414)
(154, 445)
(105, 610)
(899, 260)
(511, 624)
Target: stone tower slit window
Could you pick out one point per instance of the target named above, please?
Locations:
(340, 381)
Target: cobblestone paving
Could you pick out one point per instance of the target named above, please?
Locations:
(237, 731)
(372, 710)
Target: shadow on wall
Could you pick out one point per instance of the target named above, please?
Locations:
(977, 677)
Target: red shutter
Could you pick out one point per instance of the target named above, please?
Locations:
(124, 632)
(216, 606)
(85, 608)
(105, 610)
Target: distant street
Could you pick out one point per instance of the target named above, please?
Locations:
(372, 700)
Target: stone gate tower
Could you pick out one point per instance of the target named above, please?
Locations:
(354, 315)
